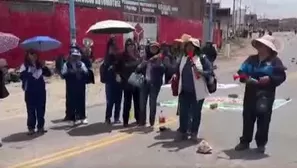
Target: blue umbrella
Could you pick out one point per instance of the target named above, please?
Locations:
(41, 43)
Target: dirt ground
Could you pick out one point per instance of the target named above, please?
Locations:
(14, 105)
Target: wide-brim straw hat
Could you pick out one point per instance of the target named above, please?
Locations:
(194, 41)
(269, 41)
(183, 38)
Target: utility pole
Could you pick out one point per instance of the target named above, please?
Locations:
(72, 21)
(234, 18)
(210, 21)
(240, 20)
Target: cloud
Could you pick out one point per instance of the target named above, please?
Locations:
(281, 8)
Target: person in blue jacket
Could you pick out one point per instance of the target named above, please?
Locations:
(31, 74)
(263, 73)
(75, 73)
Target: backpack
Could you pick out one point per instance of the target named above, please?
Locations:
(102, 72)
(212, 87)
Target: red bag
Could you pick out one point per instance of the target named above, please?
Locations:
(174, 86)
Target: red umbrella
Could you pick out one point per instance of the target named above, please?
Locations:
(8, 41)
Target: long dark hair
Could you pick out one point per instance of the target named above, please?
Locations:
(27, 61)
(149, 54)
(129, 42)
(197, 50)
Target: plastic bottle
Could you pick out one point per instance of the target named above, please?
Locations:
(162, 121)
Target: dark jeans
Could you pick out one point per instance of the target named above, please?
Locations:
(113, 94)
(250, 116)
(35, 109)
(190, 111)
(130, 94)
(151, 92)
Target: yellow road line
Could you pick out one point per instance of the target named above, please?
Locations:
(75, 151)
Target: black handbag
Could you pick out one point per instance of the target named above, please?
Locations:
(212, 87)
(102, 73)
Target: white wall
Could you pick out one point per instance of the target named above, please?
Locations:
(150, 32)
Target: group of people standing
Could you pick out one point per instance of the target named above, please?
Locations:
(194, 74)
(188, 67)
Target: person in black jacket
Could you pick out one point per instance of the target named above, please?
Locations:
(261, 73)
(210, 52)
(112, 79)
(129, 61)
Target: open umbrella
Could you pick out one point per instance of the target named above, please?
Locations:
(8, 41)
(41, 43)
(111, 27)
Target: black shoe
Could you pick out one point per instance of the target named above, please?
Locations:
(66, 119)
(0, 145)
(242, 147)
(126, 125)
(41, 131)
(107, 121)
(261, 149)
(31, 132)
(152, 122)
(181, 137)
(194, 138)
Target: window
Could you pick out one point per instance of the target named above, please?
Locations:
(138, 19)
(149, 19)
(31, 7)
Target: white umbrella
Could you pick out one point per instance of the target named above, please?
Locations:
(111, 27)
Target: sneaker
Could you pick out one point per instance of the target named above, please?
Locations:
(41, 131)
(261, 149)
(117, 122)
(84, 121)
(31, 132)
(242, 147)
(75, 123)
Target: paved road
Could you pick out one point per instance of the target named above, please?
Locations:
(97, 145)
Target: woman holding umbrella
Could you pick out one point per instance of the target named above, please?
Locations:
(113, 82)
(33, 84)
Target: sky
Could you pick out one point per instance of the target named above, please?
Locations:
(266, 8)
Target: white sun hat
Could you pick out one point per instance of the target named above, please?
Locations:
(194, 41)
(269, 41)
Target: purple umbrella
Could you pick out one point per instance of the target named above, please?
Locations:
(8, 41)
